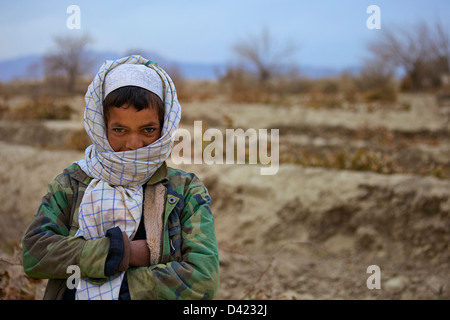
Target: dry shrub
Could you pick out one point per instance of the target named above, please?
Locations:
(319, 100)
(241, 86)
(383, 136)
(41, 108)
(78, 140)
(360, 160)
(365, 160)
(296, 85)
(440, 172)
(249, 95)
(384, 93)
(190, 90)
(200, 91)
(379, 135)
(386, 151)
(443, 97)
(376, 83)
(4, 110)
(337, 92)
(14, 283)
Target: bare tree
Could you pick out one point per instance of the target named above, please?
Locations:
(266, 56)
(69, 59)
(423, 52)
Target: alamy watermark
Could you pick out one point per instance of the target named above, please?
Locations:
(73, 281)
(236, 146)
(74, 20)
(374, 20)
(374, 280)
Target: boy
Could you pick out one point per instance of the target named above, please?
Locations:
(136, 228)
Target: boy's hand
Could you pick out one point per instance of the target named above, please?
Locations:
(139, 254)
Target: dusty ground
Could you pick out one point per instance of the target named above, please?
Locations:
(304, 233)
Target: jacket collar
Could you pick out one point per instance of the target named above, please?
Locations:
(161, 175)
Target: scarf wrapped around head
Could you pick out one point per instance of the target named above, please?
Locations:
(114, 197)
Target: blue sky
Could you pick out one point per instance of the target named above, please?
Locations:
(327, 33)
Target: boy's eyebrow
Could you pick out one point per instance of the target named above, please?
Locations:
(116, 124)
(150, 124)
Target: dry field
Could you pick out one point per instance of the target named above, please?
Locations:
(359, 184)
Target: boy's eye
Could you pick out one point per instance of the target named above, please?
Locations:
(149, 130)
(118, 130)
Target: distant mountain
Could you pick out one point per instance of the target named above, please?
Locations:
(30, 67)
(316, 73)
(19, 68)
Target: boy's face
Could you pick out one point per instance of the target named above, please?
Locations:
(129, 129)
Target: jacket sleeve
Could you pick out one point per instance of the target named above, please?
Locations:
(48, 249)
(196, 276)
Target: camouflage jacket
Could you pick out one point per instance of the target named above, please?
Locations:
(189, 262)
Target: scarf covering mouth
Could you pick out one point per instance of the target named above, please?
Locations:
(114, 196)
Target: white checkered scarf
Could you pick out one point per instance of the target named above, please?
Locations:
(114, 197)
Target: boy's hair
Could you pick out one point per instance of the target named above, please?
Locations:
(137, 97)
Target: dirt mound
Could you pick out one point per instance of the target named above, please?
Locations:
(24, 175)
(311, 233)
